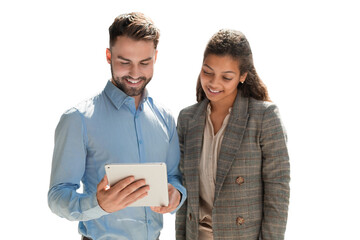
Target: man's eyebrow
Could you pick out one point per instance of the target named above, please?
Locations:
(128, 60)
(125, 59)
(146, 59)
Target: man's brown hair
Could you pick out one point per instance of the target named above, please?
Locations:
(134, 25)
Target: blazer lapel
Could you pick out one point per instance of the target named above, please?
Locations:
(232, 139)
(192, 154)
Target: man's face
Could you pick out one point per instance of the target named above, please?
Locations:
(132, 64)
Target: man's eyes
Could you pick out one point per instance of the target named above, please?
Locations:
(127, 63)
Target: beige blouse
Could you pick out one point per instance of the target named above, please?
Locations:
(207, 171)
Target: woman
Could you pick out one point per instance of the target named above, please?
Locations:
(234, 158)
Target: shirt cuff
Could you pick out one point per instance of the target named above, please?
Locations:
(95, 211)
(182, 190)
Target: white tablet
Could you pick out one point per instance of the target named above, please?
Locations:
(155, 175)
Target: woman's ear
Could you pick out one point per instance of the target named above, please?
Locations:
(108, 56)
(243, 77)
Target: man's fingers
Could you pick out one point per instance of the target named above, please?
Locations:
(141, 193)
(161, 210)
(123, 183)
(121, 194)
(164, 209)
(132, 187)
(156, 209)
(103, 183)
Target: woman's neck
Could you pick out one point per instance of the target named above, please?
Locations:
(222, 107)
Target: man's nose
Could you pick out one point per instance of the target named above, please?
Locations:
(134, 71)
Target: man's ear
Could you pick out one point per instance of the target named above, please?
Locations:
(108, 56)
(156, 52)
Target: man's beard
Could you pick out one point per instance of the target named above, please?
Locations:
(130, 91)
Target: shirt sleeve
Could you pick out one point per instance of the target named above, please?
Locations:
(173, 158)
(68, 167)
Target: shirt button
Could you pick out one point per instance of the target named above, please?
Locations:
(190, 216)
(240, 180)
(240, 221)
(140, 141)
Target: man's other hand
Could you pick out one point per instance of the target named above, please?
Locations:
(174, 201)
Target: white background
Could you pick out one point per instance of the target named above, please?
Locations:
(307, 52)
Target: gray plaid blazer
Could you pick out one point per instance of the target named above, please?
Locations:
(253, 173)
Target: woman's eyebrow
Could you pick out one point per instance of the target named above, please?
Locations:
(208, 66)
(222, 72)
(229, 72)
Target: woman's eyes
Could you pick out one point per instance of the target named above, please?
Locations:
(208, 73)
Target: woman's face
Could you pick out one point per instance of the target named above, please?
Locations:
(219, 77)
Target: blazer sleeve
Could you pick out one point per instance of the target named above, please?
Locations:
(275, 175)
(180, 224)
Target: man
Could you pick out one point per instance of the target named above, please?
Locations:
(120, 125)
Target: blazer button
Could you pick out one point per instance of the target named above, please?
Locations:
(240, 180)
(190, 216)
(240, 221)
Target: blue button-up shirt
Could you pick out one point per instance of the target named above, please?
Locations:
(109, 129)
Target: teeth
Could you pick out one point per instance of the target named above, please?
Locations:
(136, 81)
(213, 91)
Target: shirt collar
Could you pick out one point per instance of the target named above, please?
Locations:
(145, 97)
(118, 97)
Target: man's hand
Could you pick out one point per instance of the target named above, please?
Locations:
(174, 201)
(120, 195)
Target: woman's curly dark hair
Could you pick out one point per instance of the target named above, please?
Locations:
(233, 43)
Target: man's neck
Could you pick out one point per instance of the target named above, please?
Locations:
(137, 100)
